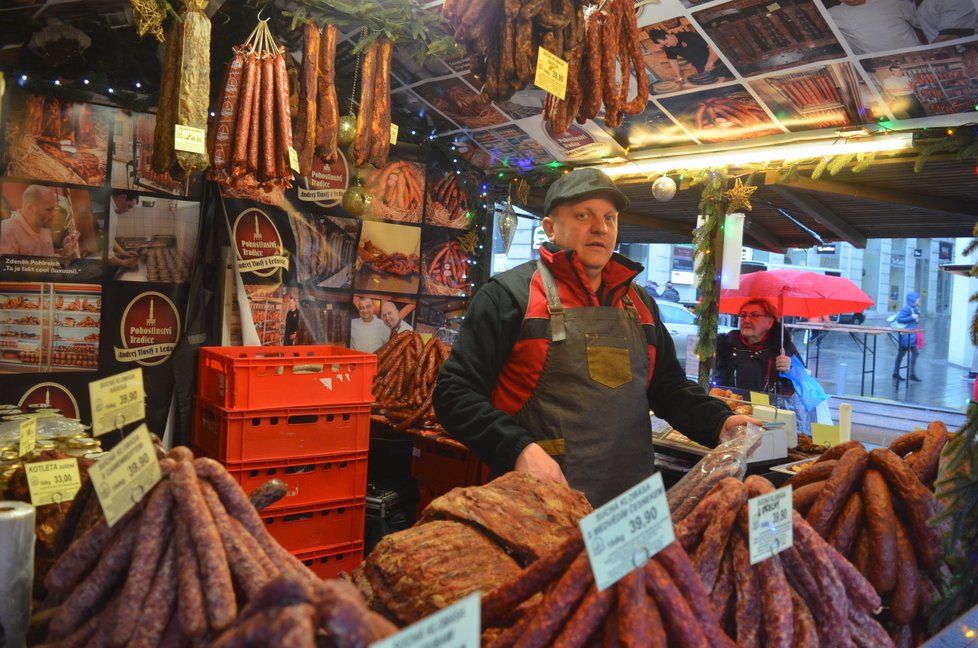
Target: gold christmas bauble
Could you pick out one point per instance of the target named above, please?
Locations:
(348, 129)
(356, 200)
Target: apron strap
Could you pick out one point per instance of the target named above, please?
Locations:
(630, 307)
(557, 331)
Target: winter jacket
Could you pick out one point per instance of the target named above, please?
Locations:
(753, 370)
(496, 361)
(907, 319)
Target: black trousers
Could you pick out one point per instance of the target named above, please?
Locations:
(913, 359)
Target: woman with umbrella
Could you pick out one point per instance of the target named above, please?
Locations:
(752, 358)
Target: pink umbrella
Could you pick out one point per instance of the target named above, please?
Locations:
(797, 293)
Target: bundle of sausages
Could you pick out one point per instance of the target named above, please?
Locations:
(177, 567)
(318, 121)
(294, 612)
(446, 270)
(449, 203)
(400, 188)
(851, 498)
(808, 595)
(184, 89)
(405, 381)
(664, 601)
(600, 70)
(501, 38)
(719, 112)
(395, 263)
(372, 141)
(251, 135)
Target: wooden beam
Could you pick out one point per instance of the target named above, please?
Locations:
(661, 224)
(763, 236)
(894, 196)
(822, 214)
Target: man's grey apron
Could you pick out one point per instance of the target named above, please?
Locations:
(589, 409)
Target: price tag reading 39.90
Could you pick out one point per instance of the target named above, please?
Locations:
(117, 401)
(771, 528)
(125, 474)
(624, 533)
(551, 73)
(53, 482)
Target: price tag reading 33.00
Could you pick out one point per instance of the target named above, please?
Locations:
(125, 474)
(117, 401)
(53, 482)
(624, 533)
(771, 528)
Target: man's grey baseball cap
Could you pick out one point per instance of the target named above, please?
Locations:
(580, 184)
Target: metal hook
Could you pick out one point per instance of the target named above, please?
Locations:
(259, 14)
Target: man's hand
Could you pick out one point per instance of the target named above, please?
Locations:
(729, 429)
(535, 461)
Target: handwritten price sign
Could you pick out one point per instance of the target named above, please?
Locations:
(125, 474)
(117, 401)
(551, 73)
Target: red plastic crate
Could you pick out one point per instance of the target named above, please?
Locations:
(427, 493)
(305, 528)
(238, 378)
(274, 434)
(443, 461)
(313, 481)
(328, 563)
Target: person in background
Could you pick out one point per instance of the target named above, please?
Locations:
(908, 317)
(559, 360)
(900, 88)
(652, 288)
(121, 203)
(876, 25)
(28, 232)
(291, 323)
(670, 293)
(392, 318)
(944, 20)
(752, 357)
(367, 332)
(686, 44)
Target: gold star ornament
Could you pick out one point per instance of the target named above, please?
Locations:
(739, 197)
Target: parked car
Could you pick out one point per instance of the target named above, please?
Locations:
(681, 323)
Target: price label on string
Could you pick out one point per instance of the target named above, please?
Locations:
(771, 529)
(551, 73)
(189, 139)
(394, 130)
(124, 475)
(760, 398)
(117, 401)
(456, 626)
(28, 435)
(294, 159)
(53, 482)
(624, 533)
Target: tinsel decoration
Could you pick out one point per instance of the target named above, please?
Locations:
(708, 308)
(149, 18)
(508, 222)
(957, 490)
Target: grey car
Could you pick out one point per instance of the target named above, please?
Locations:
(680, 323)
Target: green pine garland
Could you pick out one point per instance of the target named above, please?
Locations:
(957, 489)
(713, 182)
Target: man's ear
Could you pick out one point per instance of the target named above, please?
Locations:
(548, 228)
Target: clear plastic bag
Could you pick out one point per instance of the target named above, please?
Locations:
(729, 459)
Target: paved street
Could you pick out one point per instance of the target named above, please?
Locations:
(942, 384)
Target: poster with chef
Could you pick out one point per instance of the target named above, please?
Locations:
(150, 239)
(53, 140)
(48, 232)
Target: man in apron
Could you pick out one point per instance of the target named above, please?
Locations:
(559, 360)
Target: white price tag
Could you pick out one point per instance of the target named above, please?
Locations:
(124, 475)
(771, 527)
(457, 626)
(189, 139)
(624, 533)
(117, 401)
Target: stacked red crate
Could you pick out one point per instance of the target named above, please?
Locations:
(440, 464)
(301, 415)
